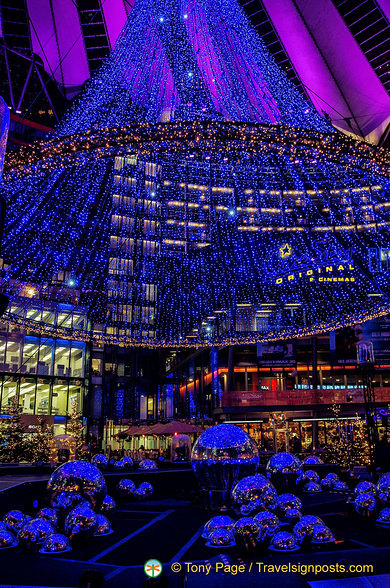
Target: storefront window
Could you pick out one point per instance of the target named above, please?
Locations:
(62, 354)
(59, 398)
(30, 355)
(45, 361)
(9, 394)
(43, 396)
(77, 360)
(13, 353)
(27, 394)
(75, 396)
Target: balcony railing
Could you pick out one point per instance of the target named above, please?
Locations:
(305, 397)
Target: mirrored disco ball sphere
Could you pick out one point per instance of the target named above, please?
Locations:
(312, 460)
(292, 516)
(119, 465)
(2, 526)
(326, 484)
(14, 520)
(100, 460)
(384, 516)
(284, 463)
(283, 541)
(34, 534)
(222, 455)
(147, 487)
(333, 478)
(128, 462)
(268, 523)
(140, 493)
(246, 531)
(79, 477)
(221, 538)
(322, 534)
(254, 492)
(56, 543)
(218, 522)
(147, 464)
(383, 488)
(48, 514)
(108, 504)
(7, 539)
(64, 502)
(126, 488)
(364, 503)
(365, 488)
(103, 525)
(304, 528)
(287, 501)
(81, 523)
(340, 486)
(309, 476)
(312, 488)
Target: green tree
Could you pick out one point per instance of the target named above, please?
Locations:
(75, 428)
(347, 441)
(15, 444)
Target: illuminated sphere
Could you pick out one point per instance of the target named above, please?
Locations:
(64, 502)
(268, 523)
(81, 523)
(332, 477)
(14, 520)
(103, 525)
(108, 504)
(126, 488)
(147, 487)
(119, 465)
(322, 534)
(287, 501)
(383, 488)
(284, 463)
(384, 516)
(79, 477)
(309, 476)
(326, 484)
(312, 488)
(292, 516)
(128, 462)
(48, 514)
(100, 461)
(304, 528)
(312, 460)
(222, 455)
(7, 539)
(140, 493)
(56, 543)
(218, 522)
(34, 534)
(365, 488)
(283, 541)
(3, 526)
(341, 486)
(148, 464)
(246, 533)
(254, 493)
(221, 538)
(365, 503)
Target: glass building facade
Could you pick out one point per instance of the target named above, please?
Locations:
(46, 375)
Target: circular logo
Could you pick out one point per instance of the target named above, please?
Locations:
(153, 568)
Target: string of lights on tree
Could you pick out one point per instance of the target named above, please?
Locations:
(192, 197)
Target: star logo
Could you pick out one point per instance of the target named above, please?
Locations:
(285, 251)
